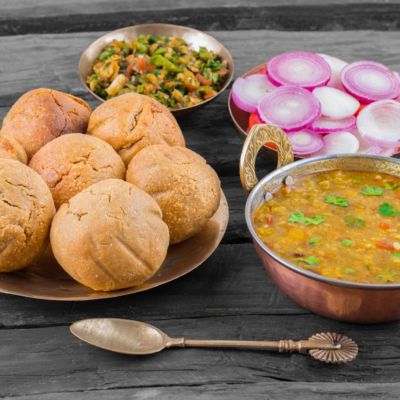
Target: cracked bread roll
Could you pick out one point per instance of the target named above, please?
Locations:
(26, 211)
(110, 236)
(41, 115)
(185, 187)
(10, 148)
(131, 122)
(74, 161)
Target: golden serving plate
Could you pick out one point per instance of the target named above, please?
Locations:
(47, 280)
(192, 36)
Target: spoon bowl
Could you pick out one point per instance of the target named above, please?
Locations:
(121, 335)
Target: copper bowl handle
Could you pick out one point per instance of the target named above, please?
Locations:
(256, 138)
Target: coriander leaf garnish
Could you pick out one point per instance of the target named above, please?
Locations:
(336, 201)
(387, 210)
(354, 222)
(311, 260)
(299, 217)
(346, 242)
(396, 255)
(313, 240)
(372, 191)
(349, 271)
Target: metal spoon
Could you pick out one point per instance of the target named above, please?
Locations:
(139, 338)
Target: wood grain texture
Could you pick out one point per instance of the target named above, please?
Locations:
(231, 283)
(236, 391)
(52, 63)
(52, 360)
(221, 15)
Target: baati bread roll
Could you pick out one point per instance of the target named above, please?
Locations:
(10, 148)
(185, 187)
(26, 211)
(110, 236)
(74, 161)
(131, 122)
(41, 115)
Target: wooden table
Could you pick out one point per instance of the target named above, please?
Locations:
(229, 296)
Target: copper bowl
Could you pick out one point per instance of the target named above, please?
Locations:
(347, 301)
(192, 36)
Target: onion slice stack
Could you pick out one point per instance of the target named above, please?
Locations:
(370, 81)
(300, 68)
(292, 108)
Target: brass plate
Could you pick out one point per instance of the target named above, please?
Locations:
(47, 280)
(240, 118)
(192, 36)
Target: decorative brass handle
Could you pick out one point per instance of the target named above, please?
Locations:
(256, 138)
(332, 348)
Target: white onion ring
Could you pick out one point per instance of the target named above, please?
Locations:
(379, 123)
(300, 68)
(292, 108)
(335, 103)
(370, 81)
(247, 91)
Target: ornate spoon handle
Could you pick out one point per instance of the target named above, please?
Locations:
(326, 347)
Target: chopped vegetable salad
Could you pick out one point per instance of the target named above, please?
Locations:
(164, 68)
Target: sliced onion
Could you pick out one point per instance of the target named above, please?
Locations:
(290, 107)
(335, 103)
(328, 125)
(337, 66)
(338, 143)
(305, 142)
(368, 148)
(247, 91)
(379, 123)
(370, 81)
(299, 68)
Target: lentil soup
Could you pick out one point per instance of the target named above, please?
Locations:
(340, 224)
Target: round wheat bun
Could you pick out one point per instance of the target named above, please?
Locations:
(26, 211)
(10, 148)
(74, 161)
(41, 115)
(131, 122)
(185, 187)
(110, 236)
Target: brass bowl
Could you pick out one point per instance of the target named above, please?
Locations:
(348, 301)
(47, 280)
(192, 36)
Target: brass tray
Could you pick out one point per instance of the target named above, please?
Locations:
(47, 280)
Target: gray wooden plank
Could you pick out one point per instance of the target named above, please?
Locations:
(47, 360)
(231, 283)
(52, 59)
(52, 8)
(235, 391)
(332, 15)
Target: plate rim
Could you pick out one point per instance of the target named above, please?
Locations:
(99, 295)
